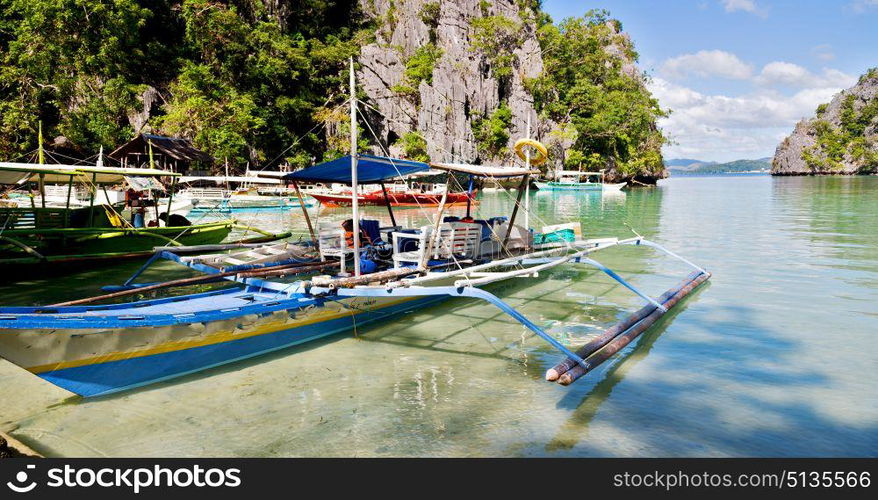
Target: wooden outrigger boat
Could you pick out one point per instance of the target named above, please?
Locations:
(99, 349)
(402, 195)
(289, 294)
(43, 232)
(571, 180)
(244, 199)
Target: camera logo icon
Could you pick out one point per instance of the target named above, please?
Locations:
(19, 485)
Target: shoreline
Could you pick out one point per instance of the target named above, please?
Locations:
(822, 174)
(13, 448)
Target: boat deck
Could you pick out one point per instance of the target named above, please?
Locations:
(208, 306)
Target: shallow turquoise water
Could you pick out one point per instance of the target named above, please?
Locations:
(774, 357)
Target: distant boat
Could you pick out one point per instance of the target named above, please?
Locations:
(571, 180)
(398, 195)
(252, 193)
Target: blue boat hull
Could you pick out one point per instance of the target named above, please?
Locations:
(113, 376)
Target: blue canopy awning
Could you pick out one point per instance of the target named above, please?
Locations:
(370, 170)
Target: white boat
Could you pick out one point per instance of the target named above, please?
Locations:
(245, 197)
(571, 180)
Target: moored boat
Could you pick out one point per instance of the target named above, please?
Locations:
(405, 193)
(287, 294)
(284, 296)
(394, 199)
(247, 196)
(571, 180)
(46, 231)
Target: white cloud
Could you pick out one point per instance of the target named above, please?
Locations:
(745, 6)
(706, 63)
(824, 52)
(723, 128)
(793, 75)
(863, 5)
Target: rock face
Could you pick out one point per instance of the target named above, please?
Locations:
(841, 139)
(150, 99)
(464, 87)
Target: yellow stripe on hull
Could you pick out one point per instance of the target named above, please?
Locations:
(321, 314)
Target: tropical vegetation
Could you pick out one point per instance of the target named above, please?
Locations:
(254, 87)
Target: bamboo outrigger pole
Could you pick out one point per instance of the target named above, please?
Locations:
(354, 191)
(613, 339)
(389, 207)
(431, 242)
(305, 212)
(525, 181)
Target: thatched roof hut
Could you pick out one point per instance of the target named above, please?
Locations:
(169, 153)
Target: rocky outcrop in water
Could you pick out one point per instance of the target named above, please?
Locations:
(841, 139)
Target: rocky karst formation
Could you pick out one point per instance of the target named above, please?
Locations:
(463, 87)
(841, 139)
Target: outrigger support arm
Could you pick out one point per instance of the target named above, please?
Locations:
(467, 288)
(648, 243)
(453, 291)
(609, 272)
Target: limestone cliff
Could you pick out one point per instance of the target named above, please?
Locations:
(841, 139)
(462, 87)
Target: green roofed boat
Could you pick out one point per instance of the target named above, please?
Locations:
(38, 229)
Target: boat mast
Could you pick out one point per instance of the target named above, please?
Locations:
(40, 157)
(527, 188)
(227, 174)
(354, 189)
(157, 215)
(42, 182)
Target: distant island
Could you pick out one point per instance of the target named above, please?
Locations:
(687, 166)
(842, 137)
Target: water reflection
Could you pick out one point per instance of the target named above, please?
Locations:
(775, 358)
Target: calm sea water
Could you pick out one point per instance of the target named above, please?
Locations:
(775, 356)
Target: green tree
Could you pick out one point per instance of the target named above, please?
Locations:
(240, 81)
(492, 133)
(414, 146)
(497, 37)
(584, 85)
(77, 66)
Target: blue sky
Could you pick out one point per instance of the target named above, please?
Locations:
(739, 74)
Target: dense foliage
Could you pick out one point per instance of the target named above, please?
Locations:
(497, 37)
(833, 144)
(606, 115)
(492, 133)
(414, 146)
(255, 86)
(419, 68)
(243, 83)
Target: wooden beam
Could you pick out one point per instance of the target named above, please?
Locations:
(305, 211)
(524, 181)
